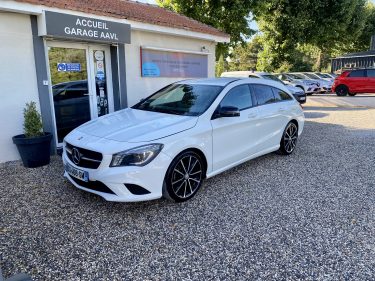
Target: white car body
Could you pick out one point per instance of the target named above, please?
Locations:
(309, 86)
(224, 142)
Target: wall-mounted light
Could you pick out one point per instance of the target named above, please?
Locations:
(204, 49)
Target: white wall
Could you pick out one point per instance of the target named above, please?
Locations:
(141, 87)
(17, 79)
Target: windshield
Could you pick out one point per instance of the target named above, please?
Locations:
(295, 76)
(312, 76)
(271, 77)
(181, 99)
(323, 75)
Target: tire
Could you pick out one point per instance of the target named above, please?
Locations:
(352, 94)
(184, 177)
(342, 91)
(289, 139)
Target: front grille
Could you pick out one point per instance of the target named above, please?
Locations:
(93, 185)
(88, 158)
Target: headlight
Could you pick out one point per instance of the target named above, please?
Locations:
(139, 156)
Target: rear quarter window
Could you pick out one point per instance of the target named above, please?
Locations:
(357, 73)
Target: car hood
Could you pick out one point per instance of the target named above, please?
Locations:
(132, 125)
(293, 89)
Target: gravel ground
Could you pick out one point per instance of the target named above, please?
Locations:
(308, 216)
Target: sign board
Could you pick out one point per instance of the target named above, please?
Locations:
(87, 29)
(68, 67)
(156, 63)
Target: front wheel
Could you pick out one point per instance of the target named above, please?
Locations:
(184, 177)
(342, 91)
(289, 139)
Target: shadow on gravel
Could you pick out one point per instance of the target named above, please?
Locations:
(319, 108)
(313, 115)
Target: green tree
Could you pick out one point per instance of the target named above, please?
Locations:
(220, 66)
(324, 24)
(230, 16)
(245, 56)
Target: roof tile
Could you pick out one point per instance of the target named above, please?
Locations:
(135, 11)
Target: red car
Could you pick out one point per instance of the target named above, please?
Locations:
(352, 82)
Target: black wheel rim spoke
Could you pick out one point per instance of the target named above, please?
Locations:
(186, 176)
(290, 138)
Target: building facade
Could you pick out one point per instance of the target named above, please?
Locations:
(80, 62)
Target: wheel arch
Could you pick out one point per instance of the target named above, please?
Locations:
(200, 153)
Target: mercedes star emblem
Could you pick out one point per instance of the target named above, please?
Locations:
(76, 156)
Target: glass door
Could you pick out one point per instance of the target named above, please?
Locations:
(80, 84)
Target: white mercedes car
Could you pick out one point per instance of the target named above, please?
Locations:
(167, 144)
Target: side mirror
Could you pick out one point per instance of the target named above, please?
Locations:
(226, 111)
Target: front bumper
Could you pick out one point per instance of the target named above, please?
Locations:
(111, 183)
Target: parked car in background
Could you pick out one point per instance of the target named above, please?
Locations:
(351, 82)
(167, 144)
(308, 86)
(297, 92)
(332, 75)
(324, 76)
(324, 85)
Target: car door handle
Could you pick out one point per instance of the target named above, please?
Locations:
(282, 109)
(251, 115)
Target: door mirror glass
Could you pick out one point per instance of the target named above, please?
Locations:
(228, 111)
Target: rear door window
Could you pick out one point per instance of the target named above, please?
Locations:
(263, 94)
(280, 95)
(357, 73)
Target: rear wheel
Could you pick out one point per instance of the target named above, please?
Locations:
(342, 90)
(184, 177)
(352, 94)
(289, 139)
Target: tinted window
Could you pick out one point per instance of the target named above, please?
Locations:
(253, 76)
(370, 72)
(239, 97)
(263, 94)
(357, 73)
(281, 95)
(181, 99)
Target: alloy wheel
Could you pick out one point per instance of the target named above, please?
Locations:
(186, 176)
(290, 138)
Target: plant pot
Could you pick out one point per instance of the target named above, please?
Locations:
(35, 152)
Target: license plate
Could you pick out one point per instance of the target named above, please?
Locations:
(77, 173)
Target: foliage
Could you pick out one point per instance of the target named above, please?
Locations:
(220, 66)
(324, 24)
(245, 56)
(33, 121)
(230, 16)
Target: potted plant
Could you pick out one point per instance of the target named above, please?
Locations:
(34, 145)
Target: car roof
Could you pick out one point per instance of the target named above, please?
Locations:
(222, 81)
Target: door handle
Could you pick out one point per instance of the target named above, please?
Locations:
(282, 109)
